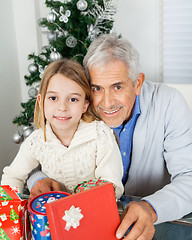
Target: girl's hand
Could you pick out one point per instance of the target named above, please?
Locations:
(44, 185)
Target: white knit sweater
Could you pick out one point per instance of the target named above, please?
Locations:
(93, 153)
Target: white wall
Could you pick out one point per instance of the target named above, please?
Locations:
(137, 20)
(10, 91)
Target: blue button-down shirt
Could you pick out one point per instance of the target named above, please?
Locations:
(125, 136)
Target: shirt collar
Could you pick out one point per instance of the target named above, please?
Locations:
(136, 111)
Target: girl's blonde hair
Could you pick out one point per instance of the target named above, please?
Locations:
(72, 70)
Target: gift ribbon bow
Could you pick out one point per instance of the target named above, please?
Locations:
(72, 217)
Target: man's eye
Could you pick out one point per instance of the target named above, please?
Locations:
(73, 99)
(118, 87)
(53, 98)
(96, 89)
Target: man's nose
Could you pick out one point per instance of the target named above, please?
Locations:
(108, 99)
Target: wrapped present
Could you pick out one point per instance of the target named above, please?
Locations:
(14, 224)
(90, 214)
(89, 184)
(38, 217)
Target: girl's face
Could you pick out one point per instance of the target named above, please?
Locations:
(64, 104)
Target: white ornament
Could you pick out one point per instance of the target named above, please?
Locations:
(27, 131)
(17, 138)
(37, 87)
(54, 56)
(32, 68)
(32, 92)
(51, 17)
(82, 5)
(71, 42)
(52, 36)
(64, 17)
(41, 71)
(72, 217)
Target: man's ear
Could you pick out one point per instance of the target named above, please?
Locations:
(139, 83)
(86, 104)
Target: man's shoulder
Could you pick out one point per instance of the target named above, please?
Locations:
(155, 91)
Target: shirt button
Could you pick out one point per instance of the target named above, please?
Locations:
(124, 153)
(58, 171)
(124, 130)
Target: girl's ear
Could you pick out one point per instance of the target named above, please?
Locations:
(86, 104)
(39, 99)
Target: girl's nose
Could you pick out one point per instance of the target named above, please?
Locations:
(63, 106)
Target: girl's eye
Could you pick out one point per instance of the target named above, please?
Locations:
(53, 98)
(73, 99)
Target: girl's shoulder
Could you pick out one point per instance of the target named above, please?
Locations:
(104, 131)
(35, 138)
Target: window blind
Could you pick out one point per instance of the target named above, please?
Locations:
(177, 41)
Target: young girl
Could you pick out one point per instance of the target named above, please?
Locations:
(69, 143)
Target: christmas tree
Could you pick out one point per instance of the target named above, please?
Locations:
(3, 235)
(71, 26)
(4, 196)
(13, 215)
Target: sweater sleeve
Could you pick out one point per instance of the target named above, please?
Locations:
(16, 174)
(173, 201)
(108, 162)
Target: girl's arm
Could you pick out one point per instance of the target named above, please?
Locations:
(16, 174)
(109, 162)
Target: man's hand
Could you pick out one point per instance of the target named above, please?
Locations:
(44, 185)
(143, 216)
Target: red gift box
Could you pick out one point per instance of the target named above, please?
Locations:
(91, 214)
(14, 222)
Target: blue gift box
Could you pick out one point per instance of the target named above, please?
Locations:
(38, 217)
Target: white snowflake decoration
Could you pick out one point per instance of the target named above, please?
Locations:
(15, 230)
(101, 14)
(15, 189)
(72, 217)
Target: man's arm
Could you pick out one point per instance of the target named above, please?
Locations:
(39, 183)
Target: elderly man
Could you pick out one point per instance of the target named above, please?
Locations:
(154, 126)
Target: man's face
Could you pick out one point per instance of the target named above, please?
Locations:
(113, 92)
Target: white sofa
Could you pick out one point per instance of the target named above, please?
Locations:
(186, 90)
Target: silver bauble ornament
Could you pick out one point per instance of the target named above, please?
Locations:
(32, 68)
(82, 5)
(71, 42)
(27, 131)
(32, 92)
(54, 56)
(51, 17)
(37, 87)
(18, 138)
(52, 36)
